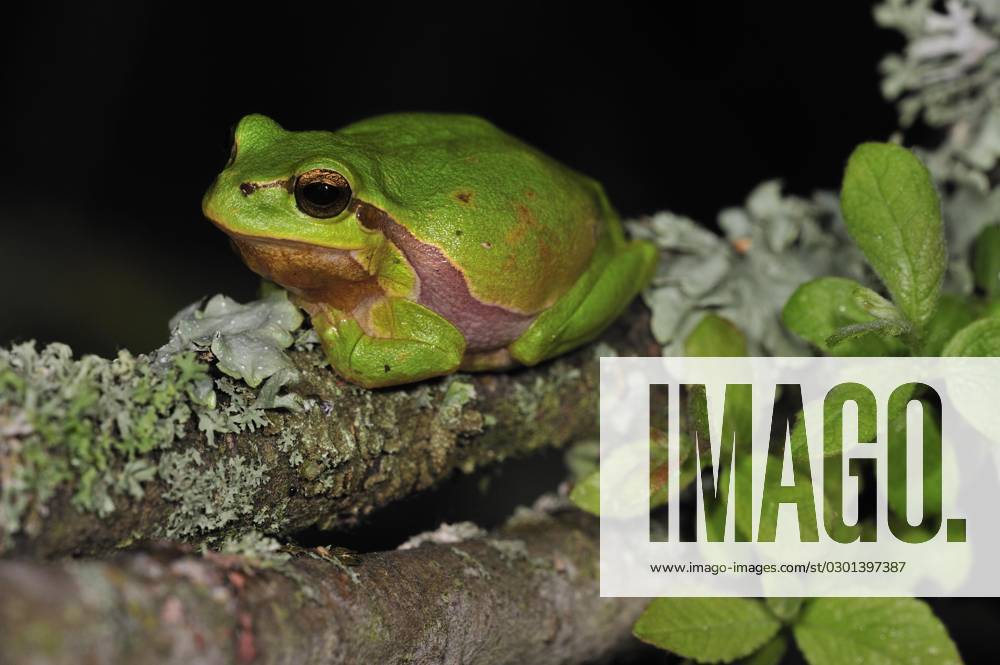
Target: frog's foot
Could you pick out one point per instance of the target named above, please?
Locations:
(594, 301)
(401, 342)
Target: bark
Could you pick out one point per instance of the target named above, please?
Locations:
(353, 451)
(527, 593)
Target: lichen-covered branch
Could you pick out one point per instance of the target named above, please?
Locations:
(525, 594)
(97, 455)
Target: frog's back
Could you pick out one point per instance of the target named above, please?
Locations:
(521, 226)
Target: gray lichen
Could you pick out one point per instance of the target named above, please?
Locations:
(446, 534)
(89, 420)
(209, 497)
(248, 341)
(770, 246)
(256, 550)
(948, 76)
(105, 427)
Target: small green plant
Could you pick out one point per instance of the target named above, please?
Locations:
(828, 631)
(892, 212)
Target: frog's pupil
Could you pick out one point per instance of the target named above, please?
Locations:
(322, 194)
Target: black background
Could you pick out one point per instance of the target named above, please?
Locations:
(115, 120)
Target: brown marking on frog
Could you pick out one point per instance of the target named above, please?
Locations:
(464, 197)
(248, 188)
(312, 273)
(525, 222)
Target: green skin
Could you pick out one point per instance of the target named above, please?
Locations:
(449, 244)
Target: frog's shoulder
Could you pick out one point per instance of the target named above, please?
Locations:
(520, 225)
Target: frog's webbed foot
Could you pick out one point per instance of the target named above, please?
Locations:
(406, 342)
(594, 301)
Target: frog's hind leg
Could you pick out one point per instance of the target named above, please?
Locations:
(404, 342)
(616, 275)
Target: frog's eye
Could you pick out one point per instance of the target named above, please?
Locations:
(322, 193)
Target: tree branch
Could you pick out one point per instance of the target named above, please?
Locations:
(347, 453)
(527, 593)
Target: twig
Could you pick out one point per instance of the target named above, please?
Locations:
(349, 452)
(525, 594)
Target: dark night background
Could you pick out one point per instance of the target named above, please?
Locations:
(115, 121)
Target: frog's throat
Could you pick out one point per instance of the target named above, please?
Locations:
(313, 273)
(444, 289)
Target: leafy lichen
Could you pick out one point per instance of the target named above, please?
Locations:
(88, 420)
(248, 341)
(104, 428)
(948, 76)
(770, 246)
(208, 497)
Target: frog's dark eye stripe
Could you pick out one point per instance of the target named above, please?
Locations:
(322, 193)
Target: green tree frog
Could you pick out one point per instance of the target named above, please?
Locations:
(420, 244)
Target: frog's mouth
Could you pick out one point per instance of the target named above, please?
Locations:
(314, 273)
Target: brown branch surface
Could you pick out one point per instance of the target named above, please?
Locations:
(527, 593)
(351, 452)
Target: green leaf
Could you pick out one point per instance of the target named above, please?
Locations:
(659, 471)
(991, 308)
(716, 518)
(981, 338)
(953, 313)
(866, 427)
(876, 305)
(873, 631)
(715, 336)
(586, 494)
(582, 459)
(893, 213)
(887, 328)
(785, 609)
(709, 630)
(986, 260)
(896, 491)
(772, 653)
(820, 308)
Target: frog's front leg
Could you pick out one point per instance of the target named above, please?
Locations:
(405, 342)
(614, 278)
